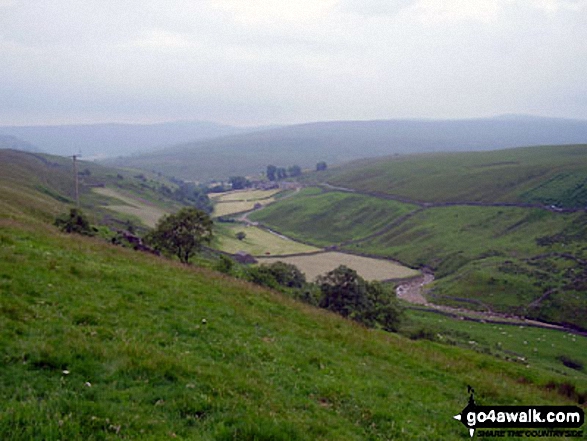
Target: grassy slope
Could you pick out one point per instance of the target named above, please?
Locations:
(330, 217)
(257, 242)
(543, 175)
(128, 329)
(499, 258)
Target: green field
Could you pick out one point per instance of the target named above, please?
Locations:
(100, 342)
(537, 347)
(239, 201)
(543, 175)
(147, 214)
(258, 242)
(326, 218)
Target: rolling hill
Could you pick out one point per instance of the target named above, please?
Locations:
(110, 140)
(100, 342)
(341, 141)
(504, 231)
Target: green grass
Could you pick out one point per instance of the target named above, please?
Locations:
(538, 347)
(99, 342)
(542, 175)
(325, 218)
(262, 367)
(496, 258)
(257, 242)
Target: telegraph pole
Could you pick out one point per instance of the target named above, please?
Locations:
(76, 176)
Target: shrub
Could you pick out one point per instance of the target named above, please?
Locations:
(75, 222)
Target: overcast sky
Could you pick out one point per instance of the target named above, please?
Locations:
(249, 62)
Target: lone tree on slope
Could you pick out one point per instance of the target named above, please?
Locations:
(182, 233)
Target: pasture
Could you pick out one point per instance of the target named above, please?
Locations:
(147, 213)
(244, 195)
(536, 347)
(539, 175)
(258, 242)
(241, 201)
(326, 218)
(370, 269)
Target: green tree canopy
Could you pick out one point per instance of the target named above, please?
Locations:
(75, 222)
(271, 172)
(348, 294)
(182, 234)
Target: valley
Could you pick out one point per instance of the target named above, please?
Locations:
(118, 343)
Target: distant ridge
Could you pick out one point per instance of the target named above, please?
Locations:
(115, 139)
(340, 141)
(12, 142)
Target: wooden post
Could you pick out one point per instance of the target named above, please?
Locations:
(76, 180)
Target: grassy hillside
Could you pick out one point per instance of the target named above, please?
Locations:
(52, 176)
(100, 342)
(487, 253)
(326, 218)
(337, 142)
(551, 175)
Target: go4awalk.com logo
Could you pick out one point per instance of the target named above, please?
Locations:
(506, 421)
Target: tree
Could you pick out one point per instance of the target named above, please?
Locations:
(271, 172)
(321, 166)
(241, 235)
(190, 193)
(345, 292)
(281, 173)
(294, 171)
(276, 275)
(75, 222)
(239, 182)
(182, 234)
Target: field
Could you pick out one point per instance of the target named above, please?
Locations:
(326, 218)
(543, 175)
(258, 242)
(239, 201)
(370, 269)
(536, 347)
(244, 195)
(148, 214)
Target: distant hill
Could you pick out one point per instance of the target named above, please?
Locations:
(340, 141)
(12, 142)
(545, 175)
(106, 140)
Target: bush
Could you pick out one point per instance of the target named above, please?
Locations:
(75, 222)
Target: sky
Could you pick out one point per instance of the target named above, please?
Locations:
(258, 62)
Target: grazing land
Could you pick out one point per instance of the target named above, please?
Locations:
(148, 214)
(329, 217)
(315, 265)
(244, 195)
(538, 347)
(551, 175)
(258, 242)
(503, 231)
(102, 342)
(234, 202)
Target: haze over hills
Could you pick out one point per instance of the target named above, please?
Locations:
(340, 141)
(113, 139)
(12, 142)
